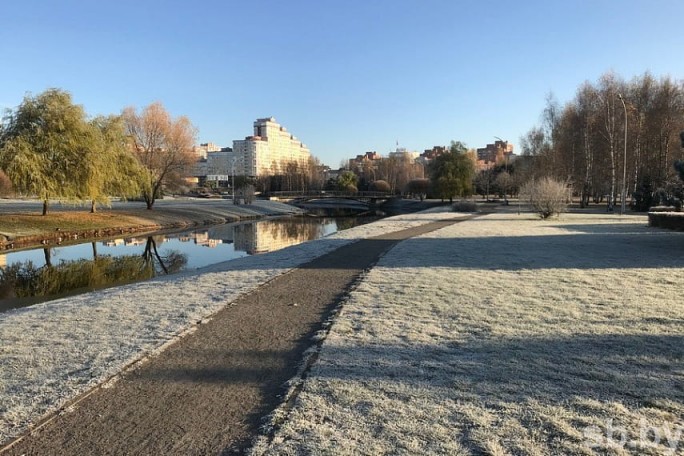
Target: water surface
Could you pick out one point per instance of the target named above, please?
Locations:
(37, 275)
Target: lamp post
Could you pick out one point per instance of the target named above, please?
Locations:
(624, 162)
(232, 180)
(505, 153)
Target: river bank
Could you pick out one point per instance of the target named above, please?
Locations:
(22, 226)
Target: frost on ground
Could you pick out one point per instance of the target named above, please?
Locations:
(52, 352)
(505, 335)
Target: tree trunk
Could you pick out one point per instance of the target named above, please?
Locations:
(149, 202)
(48, 257)
(613, 179)
(93, 207)
(94, 244)
(45, 207)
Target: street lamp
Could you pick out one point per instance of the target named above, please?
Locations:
(232, 176)
(505, 153)
(624, 163)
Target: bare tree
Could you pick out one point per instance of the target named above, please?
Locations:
(587, 141)
(609, 87)
(547, 196)
(162, 144)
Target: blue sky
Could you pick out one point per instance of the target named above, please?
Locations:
(344, 76)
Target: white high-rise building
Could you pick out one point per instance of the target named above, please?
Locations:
(268, 152)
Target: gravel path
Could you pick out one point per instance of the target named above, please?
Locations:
(208, 393)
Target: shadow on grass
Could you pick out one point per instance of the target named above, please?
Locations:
(631, 368)
(514, 391)
(584, 247)
(637, 369)
(586, 375)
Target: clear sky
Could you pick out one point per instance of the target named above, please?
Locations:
(345, 76)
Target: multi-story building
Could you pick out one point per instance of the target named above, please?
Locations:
(268, 151)
(501, 152)
(403, 154)
(496, 152)
(219, 165)
(430, 154)
(365, 161)
(203, 149)
(216, 166)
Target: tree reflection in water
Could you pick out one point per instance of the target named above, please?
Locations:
(25, 279)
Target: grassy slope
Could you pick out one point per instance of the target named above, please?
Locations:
(13, 225)
(503, 335)
(22, 229)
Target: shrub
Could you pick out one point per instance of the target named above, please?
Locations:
(465, 206)
(547, 196)
(418, 187)
(350, 188)
(380, 186)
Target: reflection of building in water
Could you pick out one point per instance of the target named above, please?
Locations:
(113, 243)
(135, 241)
(204, 240)
(222, 232)
(3, 261)
(143, 240)
(262, 237)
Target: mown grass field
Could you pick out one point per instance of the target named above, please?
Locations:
(505, 335)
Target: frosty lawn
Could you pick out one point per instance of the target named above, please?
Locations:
(505, 335)
(52, 352)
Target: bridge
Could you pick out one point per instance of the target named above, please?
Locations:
(370, 198)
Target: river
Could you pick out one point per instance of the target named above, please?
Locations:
(41, 274)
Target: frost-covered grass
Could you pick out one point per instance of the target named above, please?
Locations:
(52, 352)
(505, 335)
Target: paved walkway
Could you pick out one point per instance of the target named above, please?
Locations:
(207, 393)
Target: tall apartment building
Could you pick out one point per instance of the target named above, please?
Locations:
(268, 151)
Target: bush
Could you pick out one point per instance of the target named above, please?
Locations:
(465, 206)
(419, 187)
(667, 220)
(547, 196)
(350, 188)
(380, 186)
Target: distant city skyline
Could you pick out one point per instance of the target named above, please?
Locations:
(347, 77)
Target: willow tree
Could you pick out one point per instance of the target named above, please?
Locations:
(452, 173)
(110, 168)
(42, 144)
(162, 144)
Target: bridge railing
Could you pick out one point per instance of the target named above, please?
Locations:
(329, 194)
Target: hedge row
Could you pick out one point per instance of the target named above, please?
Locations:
(668, 220)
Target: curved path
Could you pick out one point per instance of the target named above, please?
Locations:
(207, 393)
